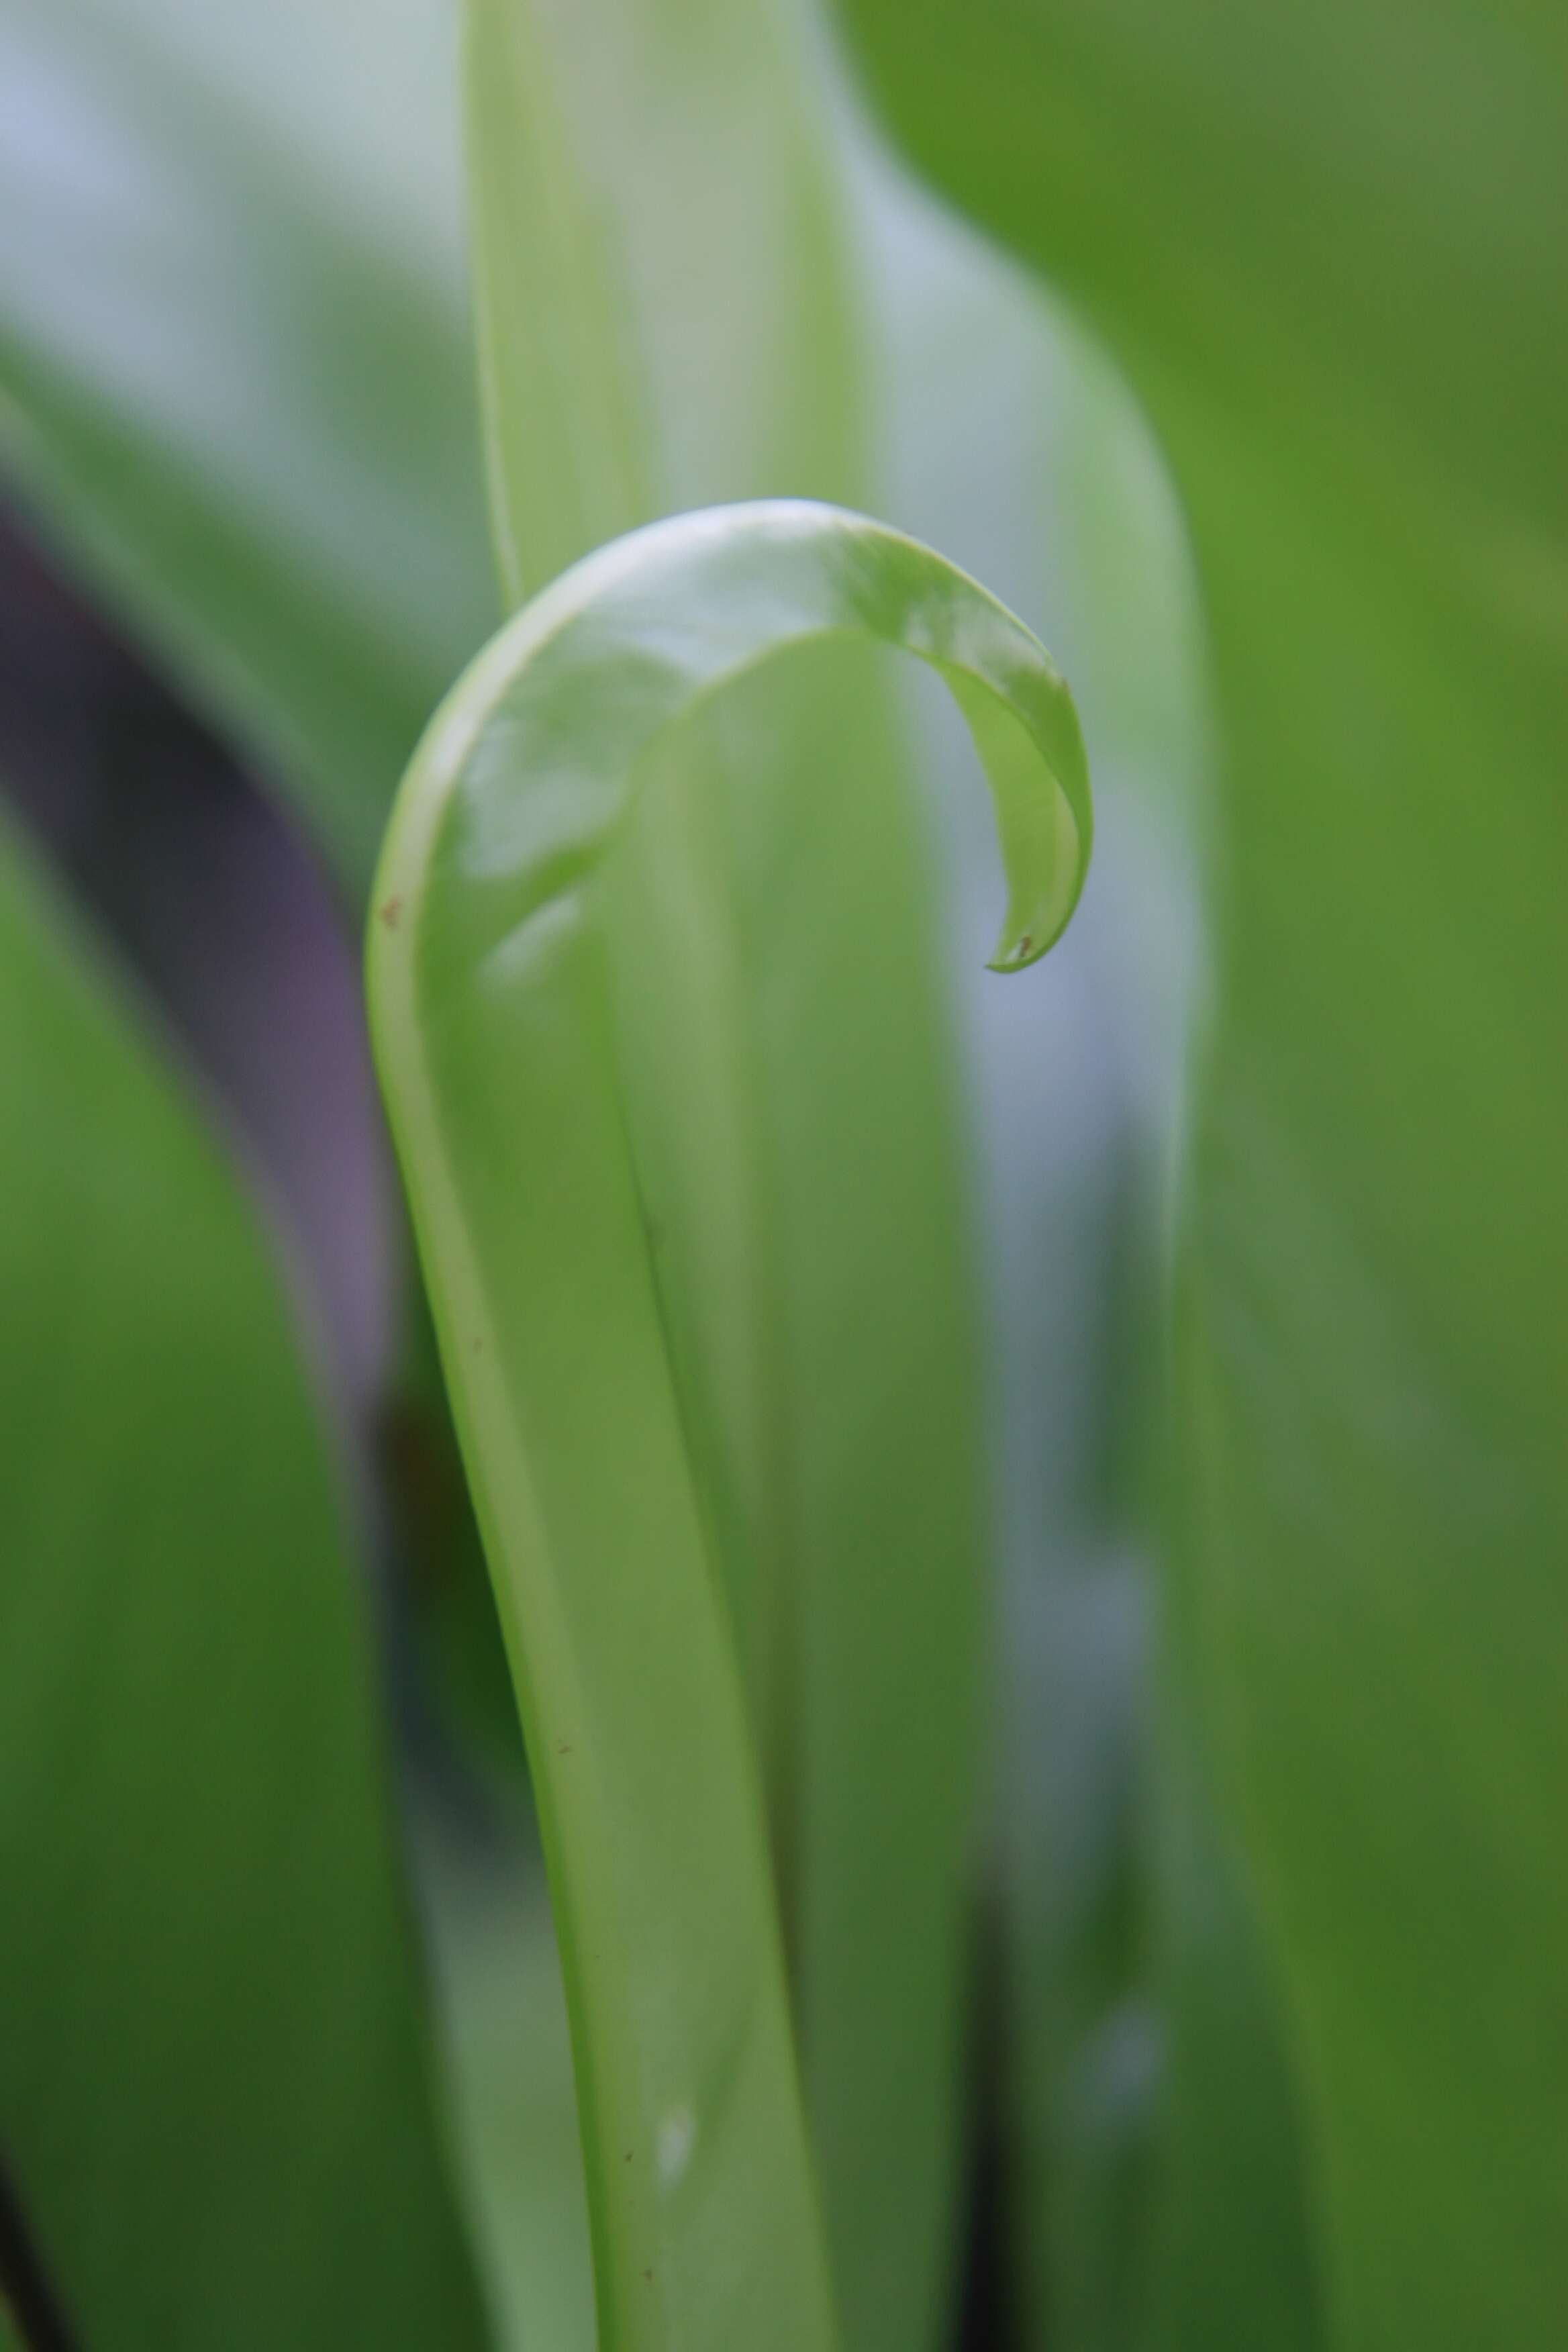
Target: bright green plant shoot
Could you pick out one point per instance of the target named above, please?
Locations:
(490, 1012)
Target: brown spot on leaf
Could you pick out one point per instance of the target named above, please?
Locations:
(390, 912)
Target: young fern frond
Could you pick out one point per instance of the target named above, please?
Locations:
(493, 1038)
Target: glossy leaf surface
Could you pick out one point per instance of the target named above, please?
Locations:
(495, 1040)
(212, 2073)
(1327, 250)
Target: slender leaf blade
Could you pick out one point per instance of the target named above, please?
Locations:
(212, 2070)
(489, 1015)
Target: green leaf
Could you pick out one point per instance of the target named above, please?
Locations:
(492, 1023)
(1324, 246)
(667, 321)
(1159, 2141)
(510, 2069)
(1226, 2257)
(234, 368)
(565, 408)
(1015, 448)
(659, 282)
(212, 2071)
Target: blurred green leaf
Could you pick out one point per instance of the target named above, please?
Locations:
(1013, 445)
(1226, 2258)
(212, 2071)
(489, 1015)
(1159, 2123)
(234, 366)
(666, 320)
(1326, 247)
(509, 2064)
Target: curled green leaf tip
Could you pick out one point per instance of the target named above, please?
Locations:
(530, 762)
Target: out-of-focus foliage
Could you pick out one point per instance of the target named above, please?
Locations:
(1326, 248)
(213, 2097)
(1012, 446)
(234, 362)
